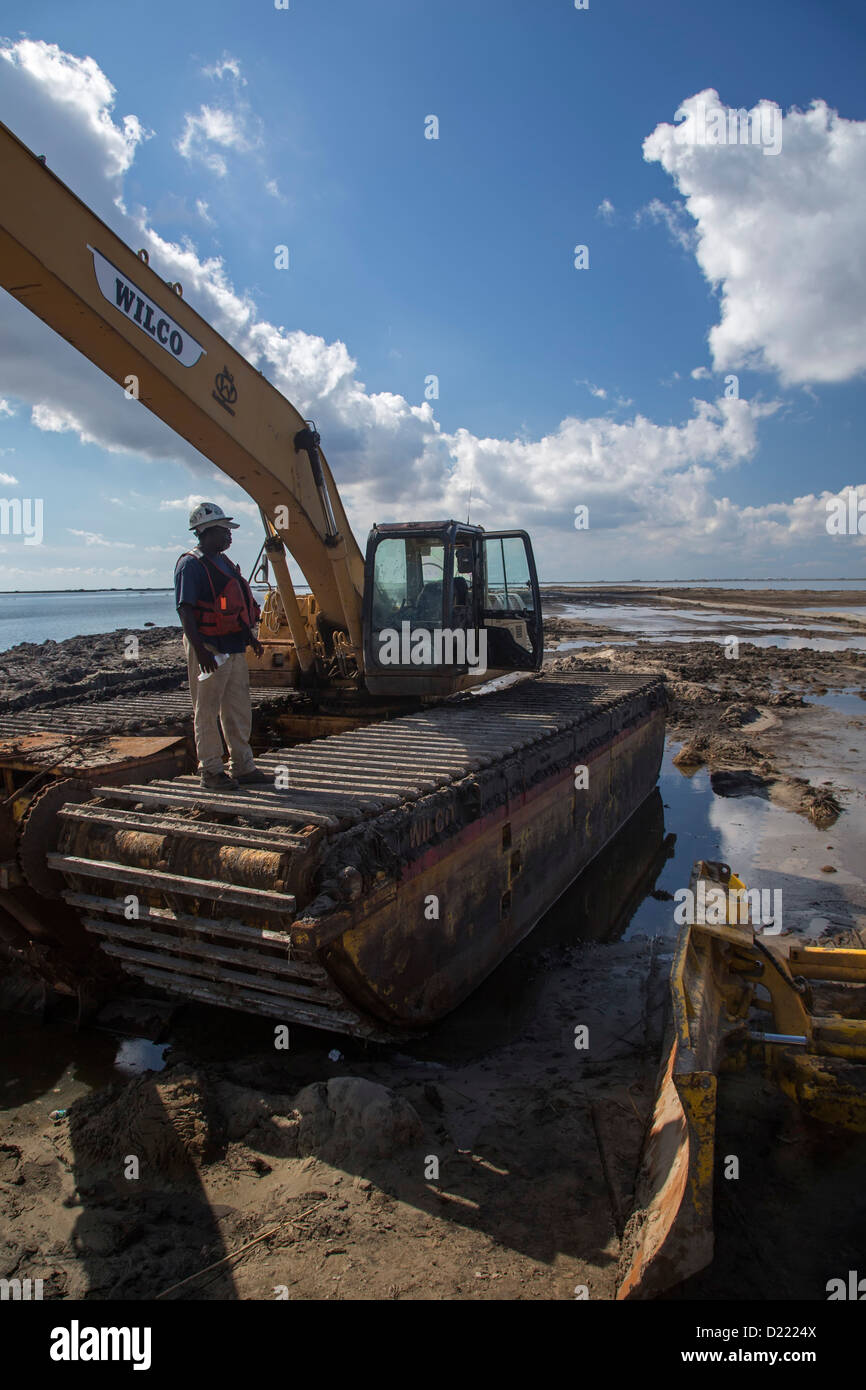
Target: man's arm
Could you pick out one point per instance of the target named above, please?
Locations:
(191, 630)
(188, 583)
(251, 638)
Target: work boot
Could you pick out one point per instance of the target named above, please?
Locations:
(217, 782)
(254, 778)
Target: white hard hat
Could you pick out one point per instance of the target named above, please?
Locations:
(209, 514)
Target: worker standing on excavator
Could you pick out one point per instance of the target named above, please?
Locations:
(218, 612)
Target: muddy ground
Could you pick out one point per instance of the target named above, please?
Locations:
(734, 715)
(492, 1158)
(89, 668)
(337, 1159)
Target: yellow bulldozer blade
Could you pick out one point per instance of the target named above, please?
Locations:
(725, 979)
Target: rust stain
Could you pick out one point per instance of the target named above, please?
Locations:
(31, 743)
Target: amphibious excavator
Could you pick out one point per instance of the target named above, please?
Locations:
(419, 823)
(417, 826)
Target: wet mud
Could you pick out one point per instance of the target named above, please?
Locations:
(37, 674)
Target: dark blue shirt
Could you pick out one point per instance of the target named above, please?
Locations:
(191, 585)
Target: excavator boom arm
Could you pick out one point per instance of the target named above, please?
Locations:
(65, 265)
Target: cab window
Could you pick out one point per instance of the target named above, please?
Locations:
(508, 582)
(408, 575)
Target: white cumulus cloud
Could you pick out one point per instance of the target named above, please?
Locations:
(781, 237)
(80, 129)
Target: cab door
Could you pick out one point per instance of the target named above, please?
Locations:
(510, 602)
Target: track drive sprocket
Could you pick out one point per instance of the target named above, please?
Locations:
(40, 830)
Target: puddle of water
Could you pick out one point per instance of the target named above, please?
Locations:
(818, 644)
(846, 702)
(643, 616)
(644, 623)
(808, 586)
(706, 826)
(855, 610)
(53, 1064)
(138, 1055)
(768, 846)
(833, 750)
(586, 642)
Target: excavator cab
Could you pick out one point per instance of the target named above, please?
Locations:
(448, 606)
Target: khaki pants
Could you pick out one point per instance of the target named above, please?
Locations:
(223, 699)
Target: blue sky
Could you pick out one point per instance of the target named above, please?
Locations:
(454, 257)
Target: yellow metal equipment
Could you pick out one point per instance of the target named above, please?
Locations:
(736, 995)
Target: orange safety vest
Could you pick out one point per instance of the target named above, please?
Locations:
(231, 610)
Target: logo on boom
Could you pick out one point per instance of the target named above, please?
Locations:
(135, 305)
(226, 392)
